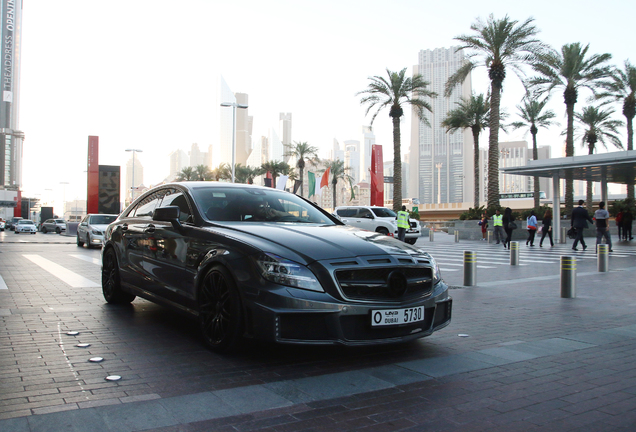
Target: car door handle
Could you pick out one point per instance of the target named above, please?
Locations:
(149, 229)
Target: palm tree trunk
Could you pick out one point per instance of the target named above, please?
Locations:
(569, 152)
(493, 147)
(630, 146)
(476, 142)
(333, 185)
(397, 166)
(302, 185)
(537, 186)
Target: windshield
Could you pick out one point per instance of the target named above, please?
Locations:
(102, 219)
(25, 222)
(383, 212)
(221, 204)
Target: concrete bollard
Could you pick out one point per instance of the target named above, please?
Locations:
(456, 236)
(568, 277)
(431, 235)
(564, 235)
(470, 268)
(602, 251)
(514, 253)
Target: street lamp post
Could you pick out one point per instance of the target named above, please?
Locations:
(234, 106)
(132, 187)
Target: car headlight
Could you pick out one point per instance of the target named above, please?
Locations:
(286, 272)
(96, 232)
(437, 274)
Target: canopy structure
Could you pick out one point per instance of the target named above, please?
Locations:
(615, 167)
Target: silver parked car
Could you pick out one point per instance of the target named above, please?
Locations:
(53, 225)
(91, 230)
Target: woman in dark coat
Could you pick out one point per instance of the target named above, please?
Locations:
(507, 220)
(547, 227)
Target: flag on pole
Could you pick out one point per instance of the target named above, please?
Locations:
(311, 184)
(325, 178)
(281, 182)
(318, 190)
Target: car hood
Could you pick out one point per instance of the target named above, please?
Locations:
(315, 242)
(100, 227)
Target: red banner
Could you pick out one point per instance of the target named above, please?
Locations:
(92, 184)
(377, 176)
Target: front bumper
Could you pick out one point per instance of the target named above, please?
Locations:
(281, 317)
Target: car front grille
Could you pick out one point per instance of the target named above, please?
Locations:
(385, 283)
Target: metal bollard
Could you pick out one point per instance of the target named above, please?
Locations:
(514, 253)
(568, 277)
(602, 251)
(456, 236)
(564, 235)
(470, 268)
(489, 237)
(431, 235)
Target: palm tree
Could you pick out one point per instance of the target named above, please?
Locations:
(500, 43)
(246, 174)
(186, 174)
(276, 168)
(571, 69)
(202, 172)
(623, 88)
(302, 150)
(470, 114)
(222, 172)
(533, 117)
(393, 93)
(338, 171)
(599, 127)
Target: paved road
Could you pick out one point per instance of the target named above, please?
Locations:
(515, 357)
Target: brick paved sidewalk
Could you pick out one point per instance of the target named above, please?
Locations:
(531, 361)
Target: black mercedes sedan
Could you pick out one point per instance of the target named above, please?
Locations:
(251, 262)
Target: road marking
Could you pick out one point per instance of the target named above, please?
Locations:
(65, 275)
(3, 285)
(86, 258)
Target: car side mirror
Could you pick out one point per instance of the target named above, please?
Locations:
(168, 214)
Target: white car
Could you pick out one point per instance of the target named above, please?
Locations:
(378, 219)
(91, 230)
(25, 226)
(2, 224)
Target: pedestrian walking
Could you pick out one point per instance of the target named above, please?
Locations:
(509, 225)
(602, 226)
(484, 226)
(579, 220)
(402, 223)
(619, 224)
(497, 222)
(531, 224)
(627, 224)
(547, 228)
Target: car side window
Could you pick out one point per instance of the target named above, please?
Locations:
(346, 212)
(176, 198)
(365, 213)
(147, 206)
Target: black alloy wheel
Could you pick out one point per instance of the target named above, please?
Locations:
(111, 283)
(58, 230)
(220, 311)
(383, 231)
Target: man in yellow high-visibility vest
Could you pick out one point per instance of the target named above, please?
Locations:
(497, 223)
(402, 223)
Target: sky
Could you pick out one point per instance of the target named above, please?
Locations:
(144, 74)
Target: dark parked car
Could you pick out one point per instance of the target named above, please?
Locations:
(256, 262)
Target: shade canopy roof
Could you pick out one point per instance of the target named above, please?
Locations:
(615, 167)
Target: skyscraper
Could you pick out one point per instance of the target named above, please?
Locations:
(285, 131)
(222, 151)
(435, 155)
(11, 137)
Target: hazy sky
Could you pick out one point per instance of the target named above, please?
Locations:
(144, 73)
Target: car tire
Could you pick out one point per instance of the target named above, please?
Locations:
(111, 282)
(16, 231)
(33, 232)
(44, 230)
(79, 242)
(58, 230)
(220, 311)
(411, 241)
(382, 231)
